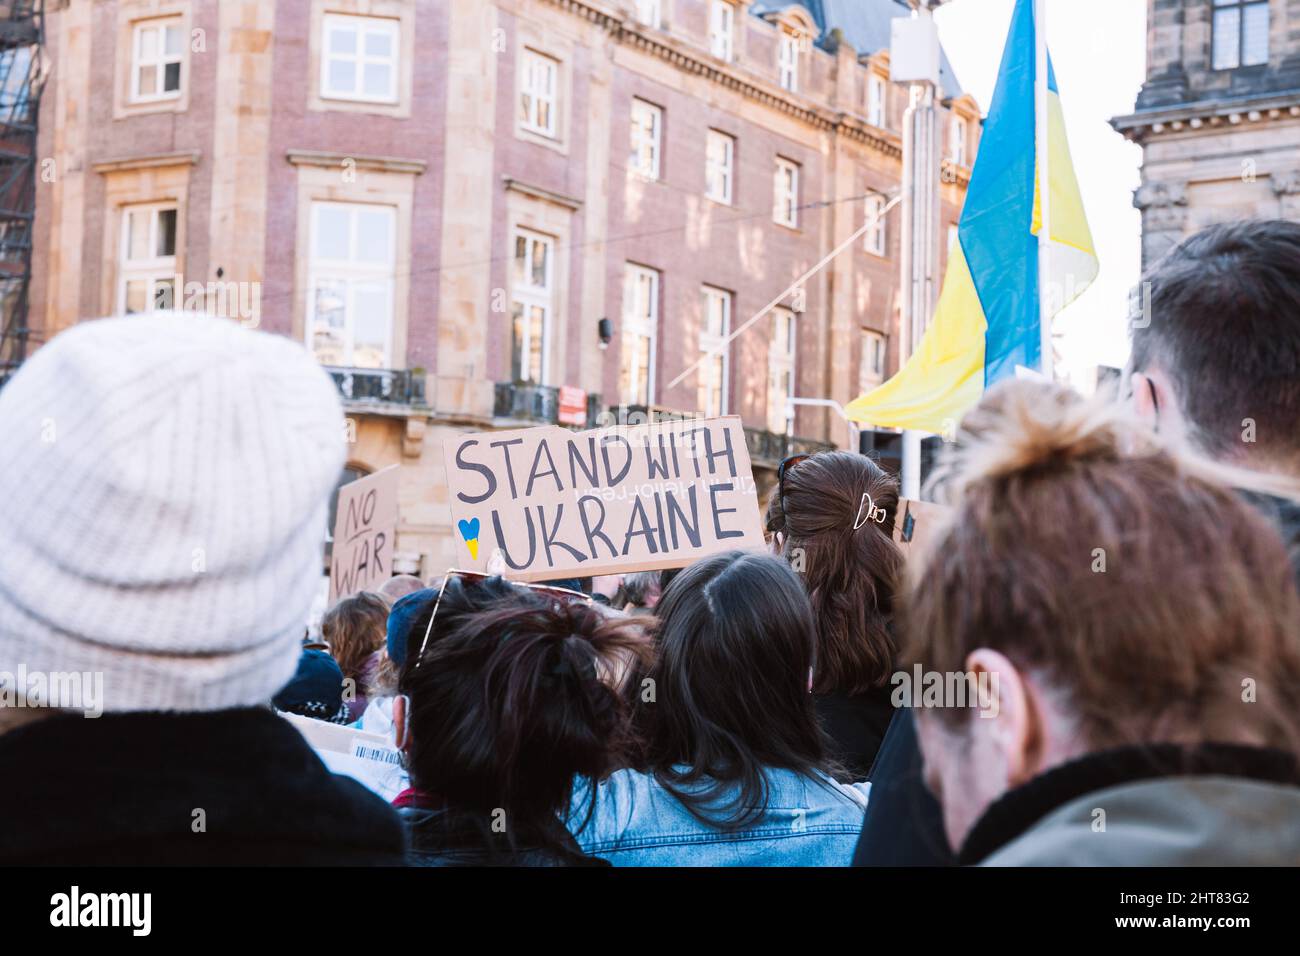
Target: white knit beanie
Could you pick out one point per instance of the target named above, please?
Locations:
(162, 509)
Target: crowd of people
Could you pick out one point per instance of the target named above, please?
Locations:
(1116, 584)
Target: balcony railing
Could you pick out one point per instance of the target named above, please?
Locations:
(770, 448)
(525, 402)
(766, 449)
(379, 385)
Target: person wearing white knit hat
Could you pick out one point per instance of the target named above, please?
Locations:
(162, 510)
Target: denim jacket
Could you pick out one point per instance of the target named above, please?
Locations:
(636, 822)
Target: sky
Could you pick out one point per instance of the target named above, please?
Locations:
(1098, 49)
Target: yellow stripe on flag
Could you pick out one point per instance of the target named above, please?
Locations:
(944, 377)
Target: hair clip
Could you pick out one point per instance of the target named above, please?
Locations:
(872, 513)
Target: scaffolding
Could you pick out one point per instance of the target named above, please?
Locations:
(22, 33)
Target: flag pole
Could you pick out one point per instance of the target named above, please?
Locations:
(1041, 133)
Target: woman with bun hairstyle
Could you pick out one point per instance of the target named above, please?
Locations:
(1130, 623)
(831, 516)
(497, 715)
(732, 767)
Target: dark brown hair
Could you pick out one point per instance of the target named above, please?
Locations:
(515, 701)
(735, 641)
(1224, 323)
(851, 575)
(1144, 589)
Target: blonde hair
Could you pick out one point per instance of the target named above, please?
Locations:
(1132, 574)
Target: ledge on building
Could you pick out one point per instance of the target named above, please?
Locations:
(379, 164)
(151, 161)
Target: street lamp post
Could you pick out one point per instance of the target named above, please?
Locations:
(914, 59)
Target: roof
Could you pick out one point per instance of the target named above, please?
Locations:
(865, 25)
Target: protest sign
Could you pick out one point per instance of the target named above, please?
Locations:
(916, 523)
(365, 757)
(365, 529)
(561, 504)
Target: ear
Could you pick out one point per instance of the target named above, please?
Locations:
(401, 714)
(1142, 397)
(1007, 715)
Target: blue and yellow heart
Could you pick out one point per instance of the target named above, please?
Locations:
(469, 531)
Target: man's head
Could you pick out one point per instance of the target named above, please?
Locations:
(1216, 344)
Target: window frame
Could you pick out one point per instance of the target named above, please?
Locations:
(529, 295)
(877, 100)
(790, 198)
(726, 170)
(153, 270)
(782, 361)
(957, 152)
(635, 144)
(526, 122)
(351, 273)
(722, 30)
(876, 240)
(363, 24)
(1240, 8)
(649, 13)
(636, 328)
(870, 372)
(787, 60)
(709, 340)
(162, 61)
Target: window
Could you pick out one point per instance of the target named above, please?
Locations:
(957, 147)
(640, 325)
(785, 207)
(876, 100)
(350, 284)
(531, 303)
(871, 368)
(359, 60)
(719, 163)
(714, 369)
(647, 123)
(788, 61)
(648, 12)
(158, 49)
(781, 381)
(874, 238)
(722, 19)
(538, 82)
(147, 264)
(1240, 33)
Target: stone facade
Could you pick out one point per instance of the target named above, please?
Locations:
(1221, 141)
(251, 147)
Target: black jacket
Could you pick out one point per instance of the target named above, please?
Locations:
(444, 837)
(855, 726)
(227, 787)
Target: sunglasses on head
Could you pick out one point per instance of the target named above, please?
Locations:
(557, 596)
(781, 470)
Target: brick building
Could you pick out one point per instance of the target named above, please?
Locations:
(1218, 118)
(474, 210)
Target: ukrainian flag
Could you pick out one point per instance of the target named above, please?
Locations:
(988, 320)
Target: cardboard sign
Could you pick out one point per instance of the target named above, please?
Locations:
(365, 530)
(560, 504)
(365, 757)
(917, 523)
